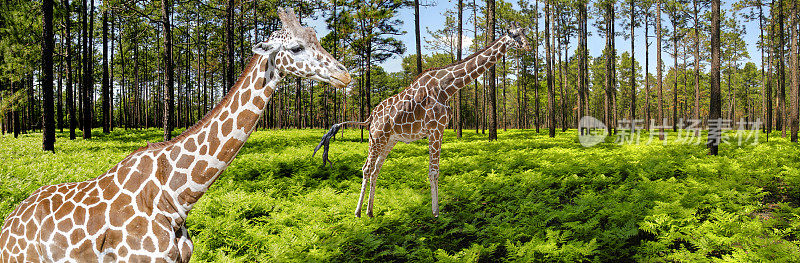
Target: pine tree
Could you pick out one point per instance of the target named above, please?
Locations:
(48, 44)
(715, 112)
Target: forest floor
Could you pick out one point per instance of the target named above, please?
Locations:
(526, 198)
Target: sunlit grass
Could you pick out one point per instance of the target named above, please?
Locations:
(526, 197)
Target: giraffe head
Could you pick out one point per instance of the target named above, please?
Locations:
(296, 50)
(518, 35)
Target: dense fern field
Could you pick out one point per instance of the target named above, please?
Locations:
(525, 198)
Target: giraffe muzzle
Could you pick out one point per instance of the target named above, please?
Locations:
(341, 80)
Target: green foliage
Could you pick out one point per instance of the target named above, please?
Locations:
(525, 198)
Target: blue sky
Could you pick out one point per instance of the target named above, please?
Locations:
(431, 18)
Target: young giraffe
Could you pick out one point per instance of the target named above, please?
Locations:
(136, 211)
(421, 111)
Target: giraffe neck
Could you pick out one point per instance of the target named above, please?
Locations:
(467, 70)
(216, 142)
(185, 167)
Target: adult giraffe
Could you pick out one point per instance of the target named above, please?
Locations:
(421, 111)
(136, 211)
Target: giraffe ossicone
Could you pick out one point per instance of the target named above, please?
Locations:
(421, 111)
(136, 211)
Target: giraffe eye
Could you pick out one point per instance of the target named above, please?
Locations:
(297, 49)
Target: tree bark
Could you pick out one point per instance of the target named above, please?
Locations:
(565, 73)
(766, 92)
(714, 103)
(536, 67)
(583, 94)
(659, 65)
(70, 92)
(551, 114)
(795, 73)
(417, 36)
(111, 78)
(697, 66)
(675, 84)
(475, 36)
(781, 74)
(88, 81)
(59, 92)
(459, 116)
(166, 5)
(633, 62)
(646, 71)
(229, 44)
(609, 76)
(48, 44)
(490, 18)
(16, 122)
(106, 92)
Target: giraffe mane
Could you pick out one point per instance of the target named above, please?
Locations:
(473, 55)
(209, 115)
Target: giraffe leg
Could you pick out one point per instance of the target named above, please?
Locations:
(375, 171)
(361, 196)
(366, 171)
(434, 147)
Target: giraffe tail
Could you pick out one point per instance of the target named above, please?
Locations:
(326, 139)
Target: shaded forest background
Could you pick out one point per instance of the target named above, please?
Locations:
(141, 64)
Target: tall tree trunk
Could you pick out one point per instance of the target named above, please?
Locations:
(614, 71)
(83, 58)
(298, 103)
(646, 71)
(335, 56)
(520, 80)
(781, 74)
(229, 44)
(30, 112)
(633, 62)
(609, 75)
(417, 36)
(564, 83)
(583, 89)
(795, 74)
(536, 86)
(59, 92)
(551, 114)
(368, 84)
(505, 108)
(48, 43)
(475, 36)
(772, 65)
(490, 18)
(675, 84)
(106, 92)
(17, 125)
(714, 104)
(362, 95)
(88, 81)
(111, 78)
(459, 115)
(766, 91)
(166, 5)
(70, 92)
(659, 76)
(697, 67)
(124, 107)
(136, 121)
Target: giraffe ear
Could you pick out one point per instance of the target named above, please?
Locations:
(263, 48)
